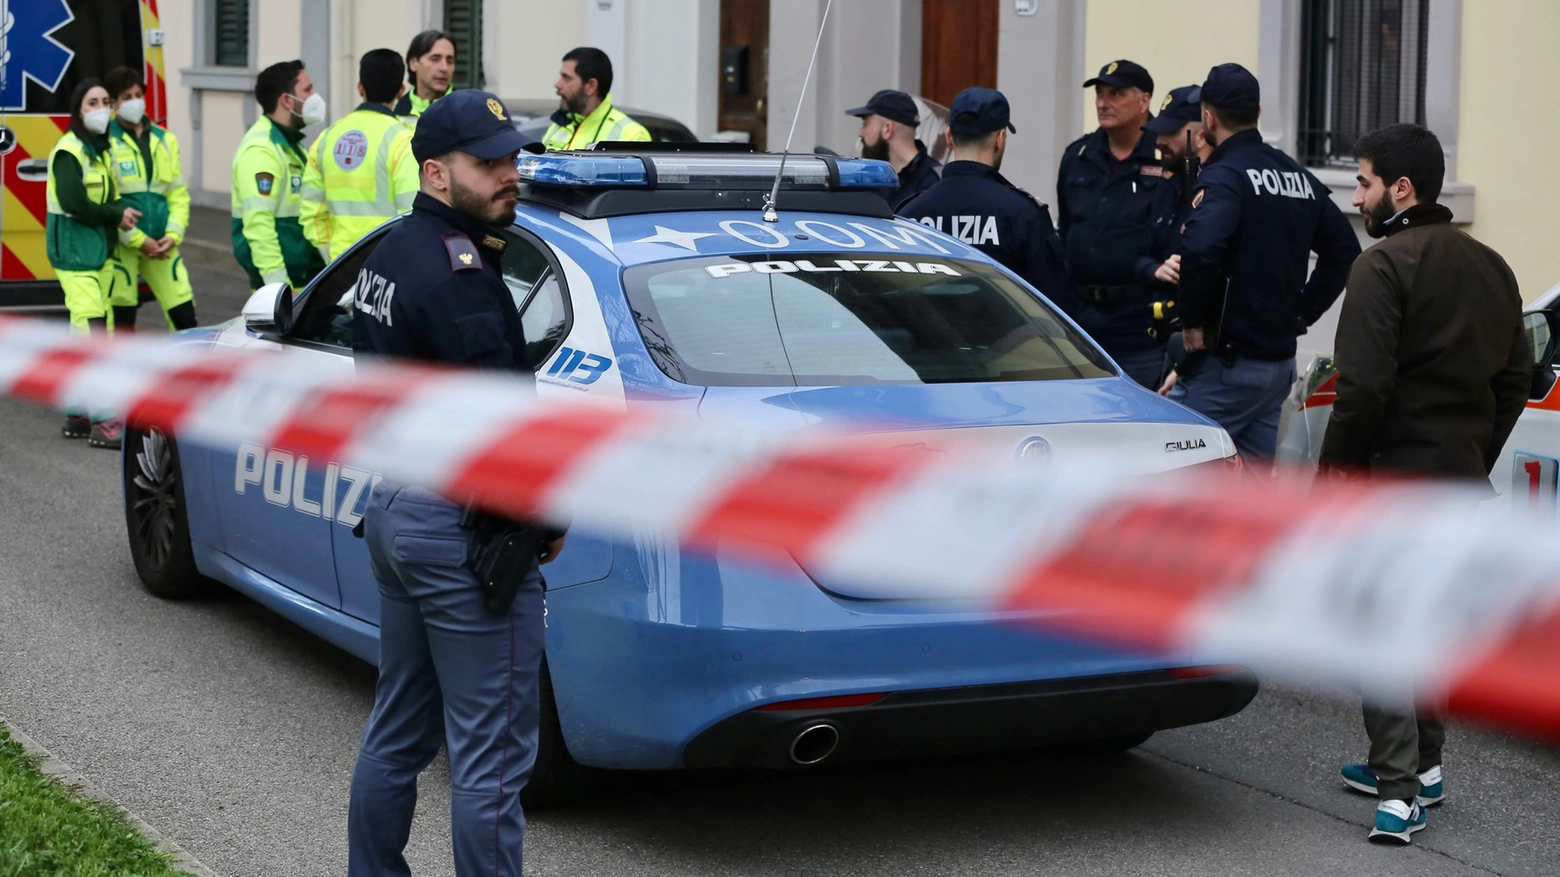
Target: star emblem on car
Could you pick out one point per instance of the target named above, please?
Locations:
(684, 239)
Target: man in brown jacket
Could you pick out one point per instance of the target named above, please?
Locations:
(1433, 371)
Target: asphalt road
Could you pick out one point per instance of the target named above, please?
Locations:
(234, 734)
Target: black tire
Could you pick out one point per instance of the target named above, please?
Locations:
(556, 778)
(157, 518)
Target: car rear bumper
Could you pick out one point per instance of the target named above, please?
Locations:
(974, 718)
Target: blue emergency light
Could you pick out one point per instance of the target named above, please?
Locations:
(709, 171)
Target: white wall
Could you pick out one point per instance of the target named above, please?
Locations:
(668, 59)
(869, 45)
(523, 41)
(1040, 69)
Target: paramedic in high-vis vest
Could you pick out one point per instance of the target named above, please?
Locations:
(361, 172)
(268, 239)
(430, 68)
(144, 158)
(84, 212)
(585, 114)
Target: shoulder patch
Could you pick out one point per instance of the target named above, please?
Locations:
(264, 182)
(1197, 198)
(463, 253)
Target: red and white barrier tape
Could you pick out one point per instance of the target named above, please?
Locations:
(1393, 588)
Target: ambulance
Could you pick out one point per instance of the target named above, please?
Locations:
(46, 48)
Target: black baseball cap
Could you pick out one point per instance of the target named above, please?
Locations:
(1232, 87)
(1123, 74)
(469, 121)
(977, 111)
(895, 106)
(1181, 105)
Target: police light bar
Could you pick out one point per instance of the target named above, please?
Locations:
(710, 171)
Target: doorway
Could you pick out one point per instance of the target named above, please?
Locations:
(958, 46)
(744, 69)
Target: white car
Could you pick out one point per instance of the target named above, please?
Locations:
(1527, 467)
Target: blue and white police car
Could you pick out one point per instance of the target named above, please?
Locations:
(653, 278)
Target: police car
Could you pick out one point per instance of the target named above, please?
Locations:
(1525, 472)
(654, 279)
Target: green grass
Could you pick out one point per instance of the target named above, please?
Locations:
(46, 830)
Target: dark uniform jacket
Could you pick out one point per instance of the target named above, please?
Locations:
(976, 204)
(1433, 363)
(1172, 204)
(920, 174)
(1107, 213)
(1256, 217)
(434, 291)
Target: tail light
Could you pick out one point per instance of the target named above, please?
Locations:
(1206, 670)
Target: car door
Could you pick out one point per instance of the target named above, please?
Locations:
(544, 311)
(285, 515)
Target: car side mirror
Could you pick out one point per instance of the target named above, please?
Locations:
(270, 309)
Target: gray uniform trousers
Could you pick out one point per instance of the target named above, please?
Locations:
(1404, 743)
(452, 673)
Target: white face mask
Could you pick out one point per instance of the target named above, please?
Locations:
(97, 120)
(313, 110)
(132, 111)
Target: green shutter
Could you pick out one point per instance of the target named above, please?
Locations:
(463, 21)
(231, 32)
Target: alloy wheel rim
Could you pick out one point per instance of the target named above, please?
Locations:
(153, 502)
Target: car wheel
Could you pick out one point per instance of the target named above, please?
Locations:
(556, 778)
(157, 518)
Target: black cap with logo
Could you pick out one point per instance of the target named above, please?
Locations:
(895, 106)
(1123, 74)
(469, 121)
(977, 111)
(1232, 87)
(1181, 105)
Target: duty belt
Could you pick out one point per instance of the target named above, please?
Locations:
(1112, 295)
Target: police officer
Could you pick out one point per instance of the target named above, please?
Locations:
(268, 239)
(451, 669)
(1256, 217)
(975, 203)
(361, 171)
(145, 161)
(585, 113)
(1105, 191)
(888, 124)
(430, 66)
(1178, 132)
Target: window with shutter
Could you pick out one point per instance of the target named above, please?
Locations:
(463, 21)
(230, 25)
(1362, 68)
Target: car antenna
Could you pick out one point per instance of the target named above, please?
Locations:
(770, 213)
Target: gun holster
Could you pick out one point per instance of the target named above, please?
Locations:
(503, 551)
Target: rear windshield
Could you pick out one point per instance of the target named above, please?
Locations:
(826, 321)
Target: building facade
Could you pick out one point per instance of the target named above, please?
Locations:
(1330, 69)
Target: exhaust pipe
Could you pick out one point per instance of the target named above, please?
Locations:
(814, 744)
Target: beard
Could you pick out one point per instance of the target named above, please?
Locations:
(575, 104)
(1376, 215)
(496, 210)
(878, 150)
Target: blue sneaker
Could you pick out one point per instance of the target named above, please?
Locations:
(1432, 788)
(1396, 821)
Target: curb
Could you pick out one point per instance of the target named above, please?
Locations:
(67, 776)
